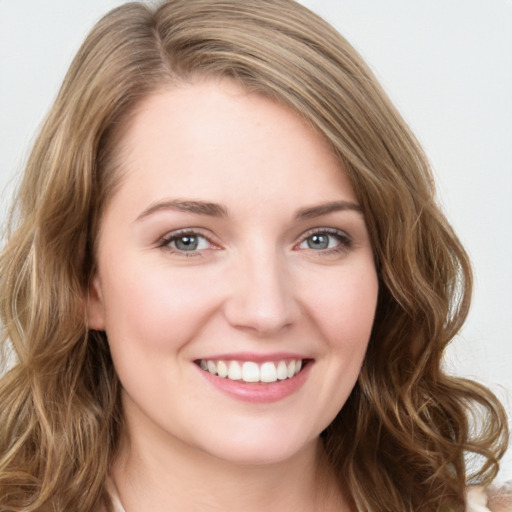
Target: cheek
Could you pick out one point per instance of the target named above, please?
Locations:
(154, 307)
(343, 304)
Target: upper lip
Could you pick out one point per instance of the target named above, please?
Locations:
(254, 357)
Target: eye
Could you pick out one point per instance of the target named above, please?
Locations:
(185, 242)
(326, 240)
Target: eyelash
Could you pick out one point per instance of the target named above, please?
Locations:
(345, 242)
(176, 235)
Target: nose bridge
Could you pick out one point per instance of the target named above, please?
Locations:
(261, 296)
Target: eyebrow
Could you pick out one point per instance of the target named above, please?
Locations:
(198, 207)
(217, 210)
(325, 208)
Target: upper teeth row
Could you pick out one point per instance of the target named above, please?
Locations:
(252, 372)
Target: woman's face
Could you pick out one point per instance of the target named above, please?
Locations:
(233, 253)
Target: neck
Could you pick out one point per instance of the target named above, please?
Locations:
(176, 477)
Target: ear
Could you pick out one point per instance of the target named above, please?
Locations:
(95, 305)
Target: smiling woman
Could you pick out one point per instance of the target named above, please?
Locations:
(284, 278)
(228, 285)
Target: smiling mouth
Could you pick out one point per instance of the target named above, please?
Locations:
(251, 372)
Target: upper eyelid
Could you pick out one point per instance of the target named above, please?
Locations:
(327, 230)
(344, 239)
(187, 231)
(171, 235)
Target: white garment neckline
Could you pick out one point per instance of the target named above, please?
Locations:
(476, 498)
(114, 496)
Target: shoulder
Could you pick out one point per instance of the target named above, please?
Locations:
(495, 498)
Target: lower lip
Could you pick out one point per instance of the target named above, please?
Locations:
(259, 392)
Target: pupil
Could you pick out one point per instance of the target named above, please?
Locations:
(186, 243)
(318, 242)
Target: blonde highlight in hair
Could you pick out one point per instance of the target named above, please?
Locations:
(399, 442)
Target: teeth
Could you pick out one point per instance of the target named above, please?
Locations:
(222, 369)
(212, 367)
(235, 371)
(282, 370)
(249, 371)
(268, 372)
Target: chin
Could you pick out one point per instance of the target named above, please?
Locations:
(257, 447)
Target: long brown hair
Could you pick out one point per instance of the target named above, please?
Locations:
(401, 440)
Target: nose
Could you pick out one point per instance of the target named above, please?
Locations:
(261, 298)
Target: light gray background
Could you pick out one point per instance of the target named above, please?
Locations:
(447, 65)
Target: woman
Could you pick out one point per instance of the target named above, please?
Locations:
(229, 285)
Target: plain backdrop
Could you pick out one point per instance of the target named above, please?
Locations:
(447, 65)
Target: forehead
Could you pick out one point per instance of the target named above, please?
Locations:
(214, 139)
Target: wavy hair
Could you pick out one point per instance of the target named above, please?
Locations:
(401, 440)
